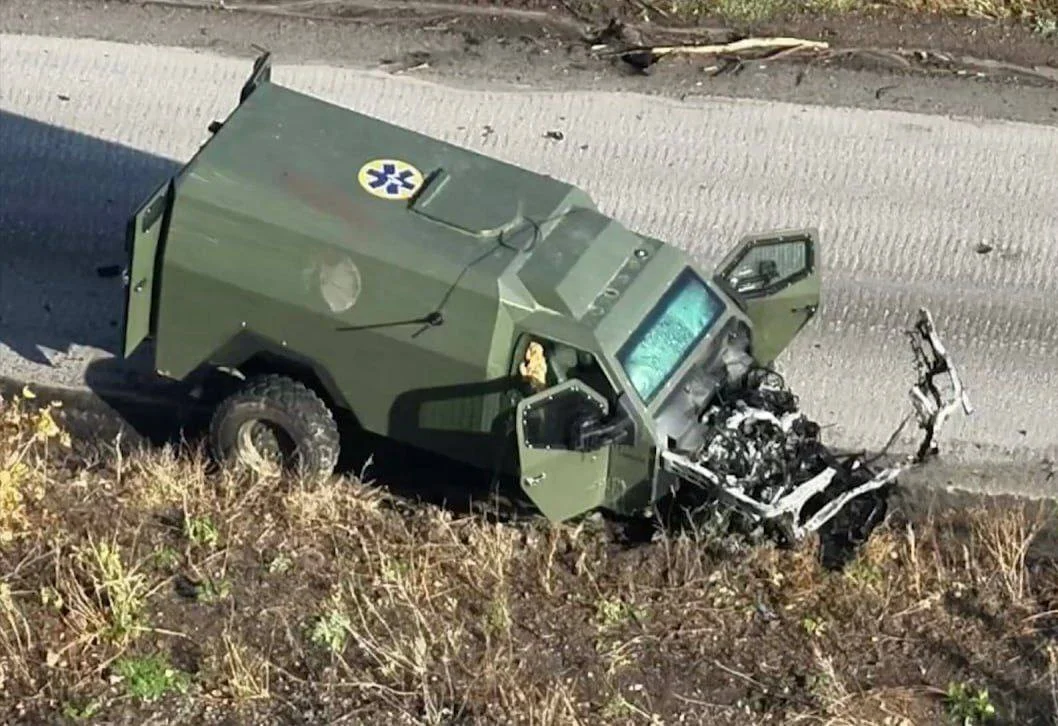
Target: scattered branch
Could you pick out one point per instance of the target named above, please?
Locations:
(736, 47)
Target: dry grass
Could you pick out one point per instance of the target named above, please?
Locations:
(147, 586)
(1040, 14)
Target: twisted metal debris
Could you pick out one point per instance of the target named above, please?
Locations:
(764, 459)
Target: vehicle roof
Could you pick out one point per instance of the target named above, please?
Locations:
(298, 161)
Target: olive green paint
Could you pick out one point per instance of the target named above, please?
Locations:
(414, 312)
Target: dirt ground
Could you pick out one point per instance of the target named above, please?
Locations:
(1016, 32)
(146, 587)
(903, 34)
(149, 587)
(505, 48)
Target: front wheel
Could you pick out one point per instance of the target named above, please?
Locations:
(275, 424)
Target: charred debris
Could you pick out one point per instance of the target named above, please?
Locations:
(763, 472)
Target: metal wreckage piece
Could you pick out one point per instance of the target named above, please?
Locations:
(763, 458)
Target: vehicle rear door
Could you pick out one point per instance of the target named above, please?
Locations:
(143, 238)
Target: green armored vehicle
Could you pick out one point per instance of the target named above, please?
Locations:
(452, 302)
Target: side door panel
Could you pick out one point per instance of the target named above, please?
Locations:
(561, 482)
(143, 238)
(776, 277)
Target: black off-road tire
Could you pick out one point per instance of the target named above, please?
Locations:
(306, 426)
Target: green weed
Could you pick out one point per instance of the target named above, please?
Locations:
(149, 678)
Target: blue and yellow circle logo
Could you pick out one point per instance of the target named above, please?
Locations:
(390, 178)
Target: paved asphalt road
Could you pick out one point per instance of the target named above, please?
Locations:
(902, 202)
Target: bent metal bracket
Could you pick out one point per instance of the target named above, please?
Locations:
(763, 458)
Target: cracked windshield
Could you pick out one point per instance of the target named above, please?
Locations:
(665, 338)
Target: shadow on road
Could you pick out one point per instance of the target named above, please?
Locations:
(64, 199)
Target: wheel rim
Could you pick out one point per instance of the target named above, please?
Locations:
(266, 447)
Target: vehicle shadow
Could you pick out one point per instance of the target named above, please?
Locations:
(65, 200)
(178, 413)
(155, 412)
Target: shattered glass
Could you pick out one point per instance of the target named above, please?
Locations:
(669, 333)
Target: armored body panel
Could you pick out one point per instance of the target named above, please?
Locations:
(395, 265)
(423, 284)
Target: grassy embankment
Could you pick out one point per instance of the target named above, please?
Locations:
(150, 584)
(1040, 15)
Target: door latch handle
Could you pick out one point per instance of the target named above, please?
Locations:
(532, 481)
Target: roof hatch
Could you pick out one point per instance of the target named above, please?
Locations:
(454, 199)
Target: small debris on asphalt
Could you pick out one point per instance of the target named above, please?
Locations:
(881, 91)
(556, 135)
(63, 97)
(983, 248)
(413, 61)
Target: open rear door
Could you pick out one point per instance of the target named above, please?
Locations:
(561, 482)
(775, 275)
(143, 239)
(146, 232)
(261, 73)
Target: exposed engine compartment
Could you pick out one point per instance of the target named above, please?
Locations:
(758, 457)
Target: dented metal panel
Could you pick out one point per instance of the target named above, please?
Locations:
(448, 300)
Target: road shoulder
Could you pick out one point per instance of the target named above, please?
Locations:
(524, 51)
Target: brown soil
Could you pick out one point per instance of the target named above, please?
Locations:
(147, 588)
(934, 40)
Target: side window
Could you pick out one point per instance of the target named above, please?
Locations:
(543, 363)
(533, 369)
(769, 266)
(548, 422)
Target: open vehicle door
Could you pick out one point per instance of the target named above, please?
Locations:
(147, 228)
(776, 278)
(143, 237)
(560, 481)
